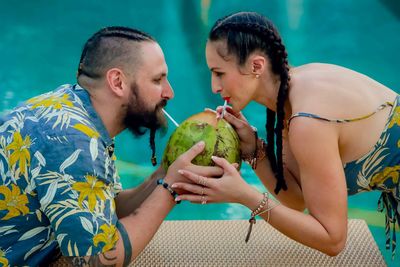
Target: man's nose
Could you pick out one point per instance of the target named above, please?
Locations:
(168, 92)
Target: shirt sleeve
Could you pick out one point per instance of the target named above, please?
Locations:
(73, 180)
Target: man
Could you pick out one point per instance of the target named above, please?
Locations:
(59, 189)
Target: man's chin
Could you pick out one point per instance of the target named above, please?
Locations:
(139, 123)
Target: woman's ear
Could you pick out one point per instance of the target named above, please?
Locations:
(257, 64)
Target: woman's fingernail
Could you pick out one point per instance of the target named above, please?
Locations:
(174, 186)
(200, 144)
(180, 171)
(177, 199)
(213, 157)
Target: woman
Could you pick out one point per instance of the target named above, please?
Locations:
(336, 133)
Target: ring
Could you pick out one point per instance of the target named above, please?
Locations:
(201, 181)
(202, 191)
(203, 199)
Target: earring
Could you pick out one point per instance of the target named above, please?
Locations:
(257, 76)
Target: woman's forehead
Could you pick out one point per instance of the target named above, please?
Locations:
(218, 49)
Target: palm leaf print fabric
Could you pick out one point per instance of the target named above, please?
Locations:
(58, 180)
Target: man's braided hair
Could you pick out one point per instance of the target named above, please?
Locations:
(107, 48)
(245, 33)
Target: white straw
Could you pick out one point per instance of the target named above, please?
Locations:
(169, 116)
(224, 108)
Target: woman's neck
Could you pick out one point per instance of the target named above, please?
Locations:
(267, 91)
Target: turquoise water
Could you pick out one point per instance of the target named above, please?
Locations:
(41, 41)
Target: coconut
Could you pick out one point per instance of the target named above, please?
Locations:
(220, 139)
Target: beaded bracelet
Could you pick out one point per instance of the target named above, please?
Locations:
(268, 210)
(258, 211)
(255, 212)
(170, 190)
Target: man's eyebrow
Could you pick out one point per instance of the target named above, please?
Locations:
(161, 75)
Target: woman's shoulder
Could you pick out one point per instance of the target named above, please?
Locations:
(313, 83)
(315, 73)
(323, 88)
(331, 93)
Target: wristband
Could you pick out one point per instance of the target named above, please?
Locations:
(170, 190)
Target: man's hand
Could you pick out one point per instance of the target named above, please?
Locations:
(184, 161)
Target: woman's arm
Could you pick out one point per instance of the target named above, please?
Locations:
(293, 196)
(315, 147)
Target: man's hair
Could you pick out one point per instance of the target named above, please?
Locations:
(110, 47)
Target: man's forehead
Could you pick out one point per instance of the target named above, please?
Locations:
(151, 51)
(152, 58)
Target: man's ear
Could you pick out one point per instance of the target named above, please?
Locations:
(115, 79)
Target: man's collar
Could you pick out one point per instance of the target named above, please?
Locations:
(84, 96)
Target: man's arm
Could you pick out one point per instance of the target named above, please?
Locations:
(129, 200)
(139, 227)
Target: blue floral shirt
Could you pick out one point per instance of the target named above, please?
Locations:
(58, 180)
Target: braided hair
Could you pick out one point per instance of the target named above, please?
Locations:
(107, 48)
(111, 47)
(244, 33)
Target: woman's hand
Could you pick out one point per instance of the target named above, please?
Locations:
(229, 188)
(184, 161)
(243, 128)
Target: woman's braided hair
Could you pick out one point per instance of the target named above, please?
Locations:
(244, 33)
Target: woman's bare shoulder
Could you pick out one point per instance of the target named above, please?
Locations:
(312, 74)
(321, 88)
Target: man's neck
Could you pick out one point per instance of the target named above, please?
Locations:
(108, 110)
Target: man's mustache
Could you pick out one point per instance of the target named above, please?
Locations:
(162, 104)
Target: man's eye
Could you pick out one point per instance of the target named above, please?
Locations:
(218, 74)
(157, 80)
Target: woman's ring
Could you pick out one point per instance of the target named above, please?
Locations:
(203, 199)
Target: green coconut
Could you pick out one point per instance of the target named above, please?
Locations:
(220, 139)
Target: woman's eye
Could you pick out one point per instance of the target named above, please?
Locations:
(218, 74)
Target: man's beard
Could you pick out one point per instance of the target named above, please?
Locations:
(139, 117)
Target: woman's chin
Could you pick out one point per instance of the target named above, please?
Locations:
(236, 106)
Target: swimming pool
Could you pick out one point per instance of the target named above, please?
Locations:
(41, 42)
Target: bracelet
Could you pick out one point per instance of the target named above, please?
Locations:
(255, 212)
(258, 154)
(268, 210)
(258, 211)
(170, 190)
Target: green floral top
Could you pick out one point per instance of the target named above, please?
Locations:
(58, 180)
(379, 169)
